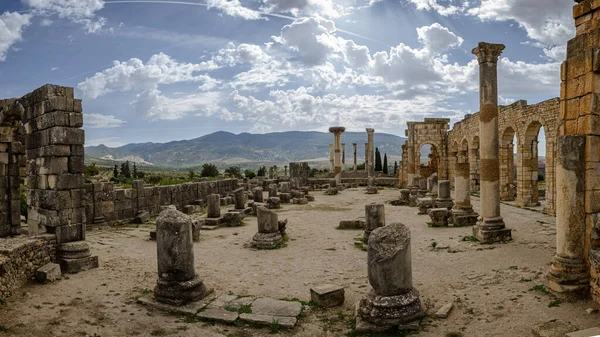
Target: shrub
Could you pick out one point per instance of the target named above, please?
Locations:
(249, 174)
(91, 170)
(234, 172)
(209, 170)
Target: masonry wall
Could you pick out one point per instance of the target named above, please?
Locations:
(525, 121)
(20, 257)
(105, 204)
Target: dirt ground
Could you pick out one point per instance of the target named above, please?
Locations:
(495, 288)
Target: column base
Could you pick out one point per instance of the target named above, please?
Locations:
(463, 217)
(74, 257)
(382, 313)
(568, 275)
(180, 293)
(492, 230)
(267, 240)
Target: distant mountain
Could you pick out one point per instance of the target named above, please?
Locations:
(224, 148)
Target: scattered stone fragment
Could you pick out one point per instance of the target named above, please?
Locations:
(49, 272)
(327, 295)
(553, 328)
(445, 310)
(141, 217)
(592, 332)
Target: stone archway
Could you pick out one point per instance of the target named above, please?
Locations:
(507, 165)
(528, 163)
(431, 131)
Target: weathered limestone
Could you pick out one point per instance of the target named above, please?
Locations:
(393, 300)
(343, 156)
(327, 295)
(354, 146)
(257, 192)
(177, 282)
(422, 187)
(239, 198)
(569, 271)
(213, 206)
(49, 272)
(424, 204)
(439, 216)
(272, 190)
(462, 212)
(273, 203)
(284, 187)
(444, 200)
(371, 188)
(268, 236)
(374, 218)
(491, 228)
(432, 186)
(337, 134)
(371, 156)
(331, 159)
(404, 198)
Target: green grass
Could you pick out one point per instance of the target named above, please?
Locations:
(274, 326)
(540, 288)
(555, 303)
(513, 267)
(245, 309)
(433, 244)
(295, 299)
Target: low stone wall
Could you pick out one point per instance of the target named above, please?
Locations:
(105, 204)
(380, 181)
(20, 257)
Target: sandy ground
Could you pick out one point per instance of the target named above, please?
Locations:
(490, 284)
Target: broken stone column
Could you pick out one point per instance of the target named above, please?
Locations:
(491, 228)
(337, 134)
(257, 193)
(285, 187)
(374, 218)
(272, 190)
(239, 198)
(393, 300)
(268, 236)
(424, 204)
(371, 143)
(367, 157)
(404, 197)
(568, 271)
(213, 206)
(331, 164)
(177, 282)
(354, 145)
(462, 212)
(432, 186)
(422, 187)
(444, 200)
(285, 171)
(371, 186)
(343, 155)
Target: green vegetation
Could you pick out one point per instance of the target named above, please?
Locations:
(275, 326)
(234, 172)
(250, 174)
(395, 167)
(23, 200)
(385, 164)
(262, 171)
(377, 160)
(209, 170)
(91, 170)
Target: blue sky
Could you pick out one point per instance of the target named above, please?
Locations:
(150, 71)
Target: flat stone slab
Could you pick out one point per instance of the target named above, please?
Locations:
(284, 322)
(218, 315)
(553, 328)
(444, 311)
(592, 332)
(271, 307)
(48, 273)
(327, 295)
(188, 309)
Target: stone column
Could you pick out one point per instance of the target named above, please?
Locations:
(285, 171)
(331, 166)
(268, 236)
(569, 269)
(337, 134)
(257, 194)
(239, 198)
(374, 218)
(343, 155)
(443, 199)
(354, 145)
(393, 300)
(371, 168)
(213, 206)
(462, 212)
(491, 228)
(177, 282)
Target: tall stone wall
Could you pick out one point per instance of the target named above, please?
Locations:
(300, 171)
(525, 121)
(105, 204)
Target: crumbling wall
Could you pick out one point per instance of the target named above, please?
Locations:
(106, 204)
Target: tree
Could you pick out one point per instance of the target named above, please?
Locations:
(385, 164)
(116, 171)
(234, 171)
(395, 167)
(209, 170)
(249, 174)
(377, 160)
(261, 172)
(91, 170)
(191, 175)
(135, 172)
(125, 172)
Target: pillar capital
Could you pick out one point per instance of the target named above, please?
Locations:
(369, 130)
(337, 129)
(488, 52)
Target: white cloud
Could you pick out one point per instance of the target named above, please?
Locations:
(135, 75)
(99, 121)
(78, 11)
(159, 107)
(234, 8)
(11, 30)
(437, 38)
(46, 22)
(243, 53)
(445, 10)
(548, 21)
(325, 8)
(108, 141)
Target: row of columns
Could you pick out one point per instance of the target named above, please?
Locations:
(337, 153)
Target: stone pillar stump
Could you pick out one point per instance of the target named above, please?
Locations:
(374, 218)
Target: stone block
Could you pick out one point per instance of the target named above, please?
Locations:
(272, 307)
(592, 332)
(444, 311)
(233, 219)
(439, 216)
(267, 320)
(141, 217)
(327, 295)
(48, 273)
(72, 266)
(352, 224)
(218, 315)
(553, 328)
(273, 203)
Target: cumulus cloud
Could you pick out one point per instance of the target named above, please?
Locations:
(325, 8)
(99, 121)
(155, 106)
(445, 10)
(11, 30)
(437, 38)
(135, 74)
(234, 8)
(243, 53)
(78, 11)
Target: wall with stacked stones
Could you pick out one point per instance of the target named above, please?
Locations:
(105, 204)
(525, 121)
(20, 257)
